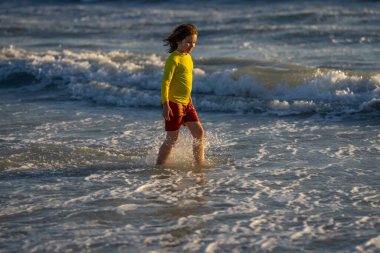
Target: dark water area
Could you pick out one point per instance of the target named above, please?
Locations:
(288, 93)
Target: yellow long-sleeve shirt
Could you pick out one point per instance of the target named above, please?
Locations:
(177, 81)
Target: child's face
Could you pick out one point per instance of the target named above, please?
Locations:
(187, 45)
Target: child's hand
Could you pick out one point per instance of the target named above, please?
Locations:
(167, 111)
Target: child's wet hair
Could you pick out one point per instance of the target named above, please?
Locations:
(179, 34)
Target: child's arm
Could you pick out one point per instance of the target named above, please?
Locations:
(170, 66)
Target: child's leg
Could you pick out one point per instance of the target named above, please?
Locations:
(197, 132)
(166, 147)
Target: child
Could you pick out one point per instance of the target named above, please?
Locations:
(176, 87)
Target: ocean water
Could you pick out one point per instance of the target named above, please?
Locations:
(288, 93)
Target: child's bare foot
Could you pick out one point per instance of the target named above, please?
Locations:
(205, 164)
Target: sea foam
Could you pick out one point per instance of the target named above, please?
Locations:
(129, 79)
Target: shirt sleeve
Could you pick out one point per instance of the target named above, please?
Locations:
(170, 66)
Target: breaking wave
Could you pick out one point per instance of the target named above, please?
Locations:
(123, 78)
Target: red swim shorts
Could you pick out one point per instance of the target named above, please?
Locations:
(181, 115)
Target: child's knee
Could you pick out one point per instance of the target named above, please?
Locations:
(171, 140)
(199, 133)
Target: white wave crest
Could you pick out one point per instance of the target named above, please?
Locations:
(130, 79)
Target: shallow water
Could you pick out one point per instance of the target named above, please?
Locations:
(74, 179)
(288, 94)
